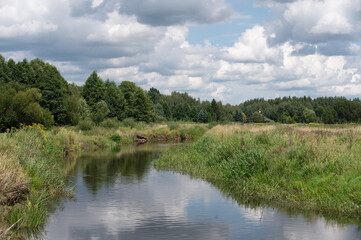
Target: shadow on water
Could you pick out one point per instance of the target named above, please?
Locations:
(130, 165)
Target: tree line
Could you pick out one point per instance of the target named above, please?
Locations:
(35, 92)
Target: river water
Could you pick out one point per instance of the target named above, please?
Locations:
(121, 196)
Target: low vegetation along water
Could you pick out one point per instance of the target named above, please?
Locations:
(123, 196)
(235, 176)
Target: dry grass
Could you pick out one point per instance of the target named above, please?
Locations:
(13, 181)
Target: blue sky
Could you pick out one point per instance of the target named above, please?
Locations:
(226, 33)
(230, 50)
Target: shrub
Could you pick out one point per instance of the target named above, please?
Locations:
(129, 122)
(173, 125)
(110, 123)
(85, 125)
(116, 138)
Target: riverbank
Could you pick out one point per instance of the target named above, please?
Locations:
(315, 168)
(32, 169)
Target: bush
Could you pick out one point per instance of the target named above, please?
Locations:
(129, 122)
(116, 138)
(110, 123)
(85, 125)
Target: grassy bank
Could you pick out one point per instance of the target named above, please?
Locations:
(32, 171)
(315, 168)
(30, 175)
(73, 139)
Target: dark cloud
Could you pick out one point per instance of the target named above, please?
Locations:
(307, 49)
(166, 13)
(339, 48)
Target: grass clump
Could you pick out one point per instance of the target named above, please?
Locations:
(129, 122)
(309, 168)
(110, 123)
(31, 174)
(85, 125)
(116, 138)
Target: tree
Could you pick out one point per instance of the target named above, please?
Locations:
(22, 107)
(244, 117)
(329, 116)
(193, 115)
(53, 89)
(115, 100)
(166, 110)
(4, 71)
(159, 113)
(309, 115)
(154, 95)
(93, 90)
(215, 110)
(202, 116)
(71, 106)
(239, 116)
(100, 112)
(142, 106)
(127, 90)
(257, 117)
(83, 110)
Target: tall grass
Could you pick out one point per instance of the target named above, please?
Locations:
(308, 167)
(31, 174)
(31, 162)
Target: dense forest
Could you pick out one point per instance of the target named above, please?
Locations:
(35, 92)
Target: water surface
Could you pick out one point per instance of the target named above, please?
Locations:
(121, 196)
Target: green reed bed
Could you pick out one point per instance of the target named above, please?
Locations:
(307, 167)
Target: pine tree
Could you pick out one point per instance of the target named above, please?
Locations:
(202, 116)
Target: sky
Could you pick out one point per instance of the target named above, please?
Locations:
(230, 50)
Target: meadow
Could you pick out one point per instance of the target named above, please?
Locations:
(307, 167)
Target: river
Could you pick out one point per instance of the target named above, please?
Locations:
(122, 196)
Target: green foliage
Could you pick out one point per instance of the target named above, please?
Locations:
(53, 88)
(159, 113)
(22, 107)
(239, 116)
(83, 109)
(68, 103)
(203, 116)
(154, 95)
(142, 107)
(94, 90)
(329, 116)
(115, 100)
(257, 117)
(286, 118)
(85, 125)
(173, 125)
(100, 112)
(39, 160)
(309, 115)
(284, 166)
(116, 138)
(129, 122)
(110, 123)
